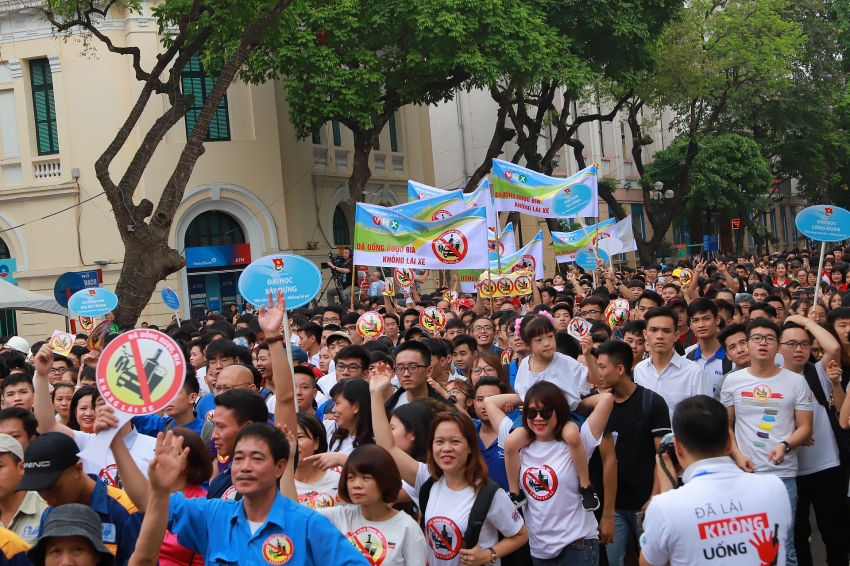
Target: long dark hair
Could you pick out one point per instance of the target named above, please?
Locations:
(314, 429)
(355, 391)
(547, 395)
(416, 418)
(75, 400)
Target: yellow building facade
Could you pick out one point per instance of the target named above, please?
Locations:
(256, 191)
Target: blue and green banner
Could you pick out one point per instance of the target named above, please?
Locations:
(529, 257)
(479, 197)
(433, 208)
(518, 189)
(384, 237)
(567, 244)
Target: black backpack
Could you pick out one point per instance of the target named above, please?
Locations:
(810, 372)
(478, 514)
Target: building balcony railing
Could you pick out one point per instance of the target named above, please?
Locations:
(45, 170)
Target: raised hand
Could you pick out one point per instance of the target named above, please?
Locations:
(271, 317)
(43, 360)
(380, 377)
(168, 463)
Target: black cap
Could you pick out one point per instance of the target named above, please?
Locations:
(676, 302)
(414, 330)
(45, 459)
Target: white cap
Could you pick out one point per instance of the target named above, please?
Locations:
(10, 445)
(19, 344)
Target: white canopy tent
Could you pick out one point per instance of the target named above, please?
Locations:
(15, 298)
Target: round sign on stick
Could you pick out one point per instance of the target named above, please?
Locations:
(578, 328)
(94, 301)
(610, 246)
(68, 281)
(86, 322)
(370, 324)
(824, 222)
(139, 373)
(170, 298)
(685, 277)
(617, 318)
(432, 319)
(404, 277)
(298, 277)
(450, 295)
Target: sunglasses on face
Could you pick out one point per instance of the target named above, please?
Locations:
(545, 413)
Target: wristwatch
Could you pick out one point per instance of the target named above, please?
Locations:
(787, 446)
(493, 556)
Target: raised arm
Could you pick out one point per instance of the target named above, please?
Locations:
(602, 405)
(379, 382)
(270, 320)
(42, 405)
(497, 406)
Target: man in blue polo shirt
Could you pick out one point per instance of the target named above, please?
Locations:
(263, 527)
(180, 412)
(708, 353)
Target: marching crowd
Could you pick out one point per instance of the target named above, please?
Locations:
(526, 430)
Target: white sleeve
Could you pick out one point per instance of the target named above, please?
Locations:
(83, 439)
(520, 385)
(503, 514)
(410, 491)
(413, 547)
(653, 541)
(587, 439)
(504, 431)
(700, 383)
(803, 396)
(727, 393)
(422, 475)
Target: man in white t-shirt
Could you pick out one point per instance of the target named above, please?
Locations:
(820, 475)
(721, 516)
(770, 414)
(665, 372)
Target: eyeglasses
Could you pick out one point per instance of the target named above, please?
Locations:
(759, 338)
(330, 321)
(818, 351)
(411, 369)
(591, 312)
(454, 393)
(545, 413)
(796, 345)
(482, 328)
(57, 371)
(221, 361)
(349, 367)
(350, 328)
(486, 370)
(225, 388)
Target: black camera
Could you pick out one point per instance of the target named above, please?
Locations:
(328, 264)
(669, 448)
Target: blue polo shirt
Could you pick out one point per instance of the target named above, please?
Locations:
(120, 520)
(13, 549)
(494, 455)
(293, 534)
(151, 425)
(205, 407)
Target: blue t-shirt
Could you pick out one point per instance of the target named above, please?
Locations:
(206, 407)
(151, 425)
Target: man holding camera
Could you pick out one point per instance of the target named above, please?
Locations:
(342, 270)
(721, 515)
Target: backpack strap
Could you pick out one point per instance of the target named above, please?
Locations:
(646, 403)
(692, 355)
(810, 373)
(726, 366)
(478, 514)
(169, 425)
(424, 495)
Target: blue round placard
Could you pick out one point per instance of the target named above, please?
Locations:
(299, 278)
(94, 301)
(824, 223)
(170, 298)
(586, 259)
(571, 200)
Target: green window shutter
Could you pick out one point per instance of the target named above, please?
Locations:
(44, 107)
(195, 81)
(337, 134)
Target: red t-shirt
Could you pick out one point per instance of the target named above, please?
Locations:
(173, 553)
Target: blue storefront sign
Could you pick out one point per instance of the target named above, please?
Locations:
(7, 268)
(218, 256)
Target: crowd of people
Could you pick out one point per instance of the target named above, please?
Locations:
(511, 435)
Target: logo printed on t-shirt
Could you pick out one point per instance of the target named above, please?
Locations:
(229, 494)
(316, 499)
(540, 483)
(444, 537)
(371, 542)
(109, 476)
(277, 549)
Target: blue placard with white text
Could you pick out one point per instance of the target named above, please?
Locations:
(169, 297)
(96, 301)
(824, 223)
(299, 278)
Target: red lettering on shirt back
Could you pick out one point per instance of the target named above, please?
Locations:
(733, 526)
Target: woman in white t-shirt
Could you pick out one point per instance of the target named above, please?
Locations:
(384, 535)
(560, 530)
(352, 424)
(458, 471)
(317, 488)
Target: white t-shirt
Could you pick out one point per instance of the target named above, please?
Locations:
(395, 542)
(555, 516)
(823, 454)
(202, 383)
(681, 379)
(320, 494)
(347, 446)
(764, 415)
(141, 448)
(325, 383)
(447, 515)
(569, 375)
(718, 517)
